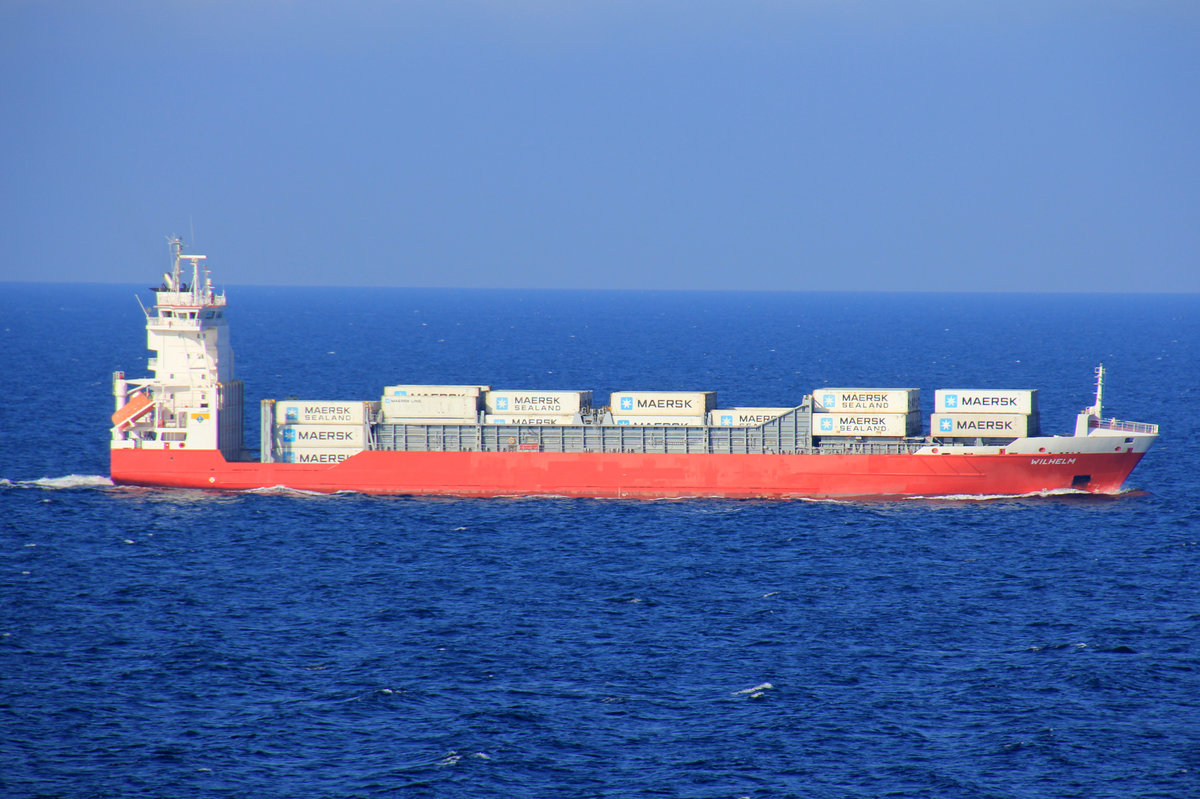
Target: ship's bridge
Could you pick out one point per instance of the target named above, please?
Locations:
(192, 400)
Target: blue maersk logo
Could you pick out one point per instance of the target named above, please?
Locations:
(289, 435)
(827, 425)
(291, 414)
(829, 400)
(627, 403)
(502, 403)
(946, 425)
(951, 400)
(727, 421)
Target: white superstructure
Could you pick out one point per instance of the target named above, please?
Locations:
(192, 401)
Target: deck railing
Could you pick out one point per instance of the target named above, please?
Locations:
(1124, 427)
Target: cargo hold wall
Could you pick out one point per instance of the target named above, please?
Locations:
(788, 434)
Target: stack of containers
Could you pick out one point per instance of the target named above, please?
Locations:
(984, 413)
(662, 408)
(744, 417)
(869, 412)
(320, 432)
(418, 404)
(513, 406)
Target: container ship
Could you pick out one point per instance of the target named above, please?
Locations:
(183, 427)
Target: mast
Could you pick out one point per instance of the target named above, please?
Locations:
(1097, 409)
(1090, 416)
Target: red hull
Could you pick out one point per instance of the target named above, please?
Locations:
(637, 475)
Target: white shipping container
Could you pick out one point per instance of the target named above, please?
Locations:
(330, 455)
(663, 403)
(430, 406)
(319, 412)
(745, 417)
(528, 419)
(320, 435)
(982, 425)
(979, 400)
(428, 391)
(867, 423)
(659, 421)
(515, 401)
(882, 400)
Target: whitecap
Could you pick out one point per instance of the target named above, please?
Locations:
(756, 691)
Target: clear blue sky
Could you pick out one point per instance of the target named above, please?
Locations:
(751, 144)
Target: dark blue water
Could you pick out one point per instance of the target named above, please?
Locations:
(185, 644)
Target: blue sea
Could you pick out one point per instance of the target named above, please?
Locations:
(172, 643)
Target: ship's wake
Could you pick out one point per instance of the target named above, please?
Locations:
(283, 490)
(69, 482)
(288, 491)
(1056, 493)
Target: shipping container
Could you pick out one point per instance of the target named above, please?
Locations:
(320, 412)
(867, 423)
(558, 403)
(330, 455)
(659, 421)
(320, 435)
(881, 400)
(530, 419)
(745, 417)
(435, 391)
(430, 406)
(984, 400)
(663, 403)
(982, 425)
